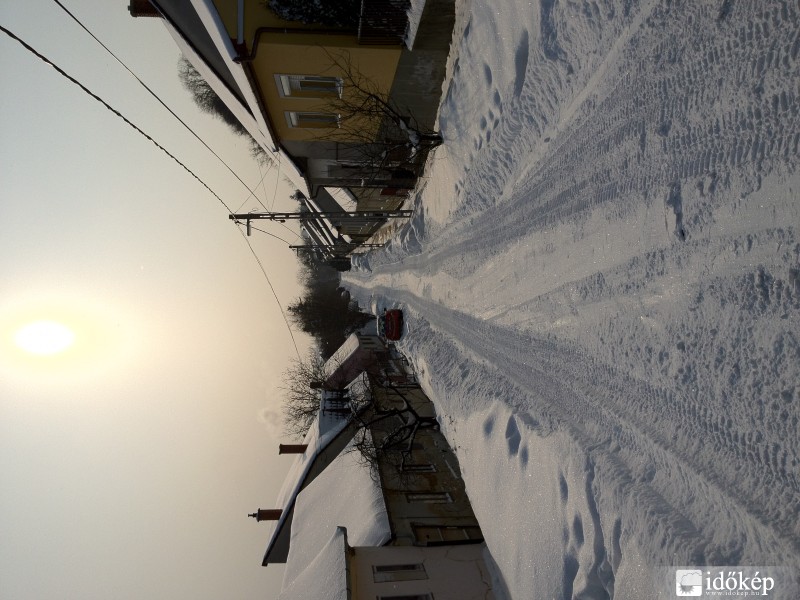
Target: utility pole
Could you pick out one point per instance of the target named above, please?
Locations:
(330, 246)
(354, 217)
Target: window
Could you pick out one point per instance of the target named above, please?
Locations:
(434, 535)
(312, 120)
(418, 468)
(409, 572)
(429, 497)
(308, 86)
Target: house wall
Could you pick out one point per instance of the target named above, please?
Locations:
(313, 53)
(418, 80)
(452, 573)
(359, 353)
(414, 522)
(381, 198)
(295, 54)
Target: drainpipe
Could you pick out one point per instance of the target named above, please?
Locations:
(240, 22)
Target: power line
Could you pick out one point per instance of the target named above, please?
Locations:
(274, 293)
(153, 94)
(266, 232)
(261, 182)
(63, 73)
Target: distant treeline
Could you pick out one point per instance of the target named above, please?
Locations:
(324, 311)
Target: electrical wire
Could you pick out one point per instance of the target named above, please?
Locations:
(105, 104)
(263, 187)
(153, 94)
(63, 73)
(266, 232)
(274, 293)
(253, 194)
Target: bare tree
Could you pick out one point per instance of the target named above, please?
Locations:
(382, 139)
(205, 97)
(362, 99)
(305, 380)
(386, 422)
(387, 428)
(302, 381)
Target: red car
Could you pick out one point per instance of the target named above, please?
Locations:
(390, 324)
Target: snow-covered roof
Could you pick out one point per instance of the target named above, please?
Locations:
(351, 345)
(325, 577)
(323, 431)
(344, 495)
(343, 196)
(351, 359)
(327, 427)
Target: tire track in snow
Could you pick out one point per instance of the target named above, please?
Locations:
(662, 115)
(662, 450)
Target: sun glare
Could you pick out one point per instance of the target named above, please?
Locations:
(44, 338)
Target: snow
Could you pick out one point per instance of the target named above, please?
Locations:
(325, 577)
(414, 12)
(327, 503)
(322, 432)
(601, 285)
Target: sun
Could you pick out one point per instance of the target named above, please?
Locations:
(44, 338)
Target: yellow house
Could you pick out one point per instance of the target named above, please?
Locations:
(301, 69)
(349, 105)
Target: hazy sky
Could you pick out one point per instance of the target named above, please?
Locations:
(129, 462)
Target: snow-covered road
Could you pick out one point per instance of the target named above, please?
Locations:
(602, 287)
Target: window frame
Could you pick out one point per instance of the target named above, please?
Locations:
(399, 572)
(418, 468)
(299, 119)
(429, 497)
(302, 86)
(446, 534)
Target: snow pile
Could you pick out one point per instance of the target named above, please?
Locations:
(601, 287)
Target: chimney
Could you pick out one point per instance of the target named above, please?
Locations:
(267, 514)
(292, 448)
(142, 8)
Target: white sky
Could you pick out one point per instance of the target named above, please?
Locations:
(129, 464)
